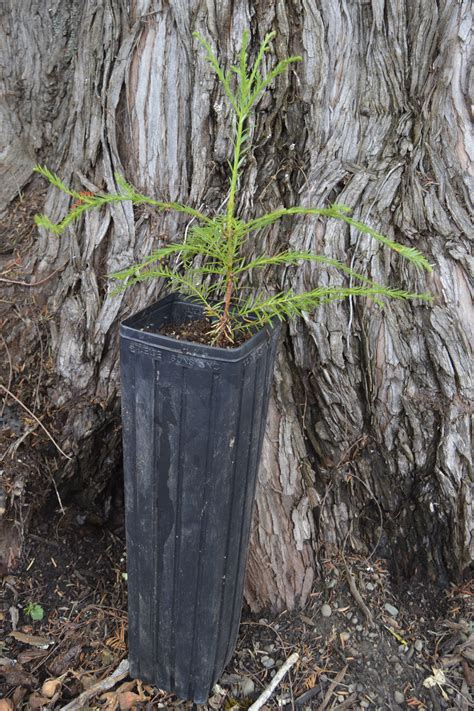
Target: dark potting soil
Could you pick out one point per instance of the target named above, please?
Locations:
(196, 331)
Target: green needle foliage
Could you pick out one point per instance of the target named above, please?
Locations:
(219, 240)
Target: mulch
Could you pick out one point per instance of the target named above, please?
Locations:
(416, 644)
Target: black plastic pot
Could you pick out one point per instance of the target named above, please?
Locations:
(193, 425)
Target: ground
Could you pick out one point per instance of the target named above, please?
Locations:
(372, 647)
(363, 643)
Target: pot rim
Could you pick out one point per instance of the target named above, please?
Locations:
(130, 329)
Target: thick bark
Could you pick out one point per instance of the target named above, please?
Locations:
(367, 442)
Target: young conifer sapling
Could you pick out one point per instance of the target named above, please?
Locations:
(216, 280)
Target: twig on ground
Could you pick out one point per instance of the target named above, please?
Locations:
(337, 680)
(265, 695)
(357, 596)
(10, 371)
(347, 704)
(81, 702)
(27, 409)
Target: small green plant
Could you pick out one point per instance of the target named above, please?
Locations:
(34, 611)
(217, 279)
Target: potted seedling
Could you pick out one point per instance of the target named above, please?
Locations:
(196, 374)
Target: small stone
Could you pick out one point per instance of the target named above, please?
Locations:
(370, 587)
(391, 609)
(355, 620)
(399, 697)
(360, 688)
(353, 652)
(418, 645)
(359, 628)
(326, 611)
(344, 636)
(268, 662)
(398, 669)
(247, 686)
(365, 704)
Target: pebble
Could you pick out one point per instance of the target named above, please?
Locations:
(399, 697)
(268, 662)
(370, 587)
(359, 628)
(398, 669)
(360, 688)
(418, 645)
(365, 704)
(391, 609)
(344, 636)
(247, 686)
(326, 611)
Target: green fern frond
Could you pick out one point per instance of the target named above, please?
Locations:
(55, 180)
(339, 212)
(223, 78)
(287, 305)
(289, 258)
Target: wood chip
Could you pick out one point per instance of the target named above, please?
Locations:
(32, 640)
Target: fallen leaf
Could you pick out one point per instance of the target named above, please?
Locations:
(50, 687)
(32, 639)
(17, 676)
(36, 701)
(14, 616)
(111, 700)
(29, 655)
(6, 705)
(127, 686)
(437, 678)
(127, 700)
(65, 660)
(468, 673)
(18, 696)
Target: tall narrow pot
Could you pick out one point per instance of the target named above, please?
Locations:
(193, 425)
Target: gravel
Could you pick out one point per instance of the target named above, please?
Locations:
(326, 611)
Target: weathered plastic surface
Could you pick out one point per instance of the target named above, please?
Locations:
(193, 425)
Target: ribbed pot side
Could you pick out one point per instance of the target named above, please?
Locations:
(193, 425)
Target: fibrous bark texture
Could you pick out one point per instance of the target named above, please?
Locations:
(367, 444)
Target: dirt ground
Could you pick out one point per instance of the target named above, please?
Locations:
(361, 642)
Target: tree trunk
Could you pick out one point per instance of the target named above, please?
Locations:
(367, 444)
